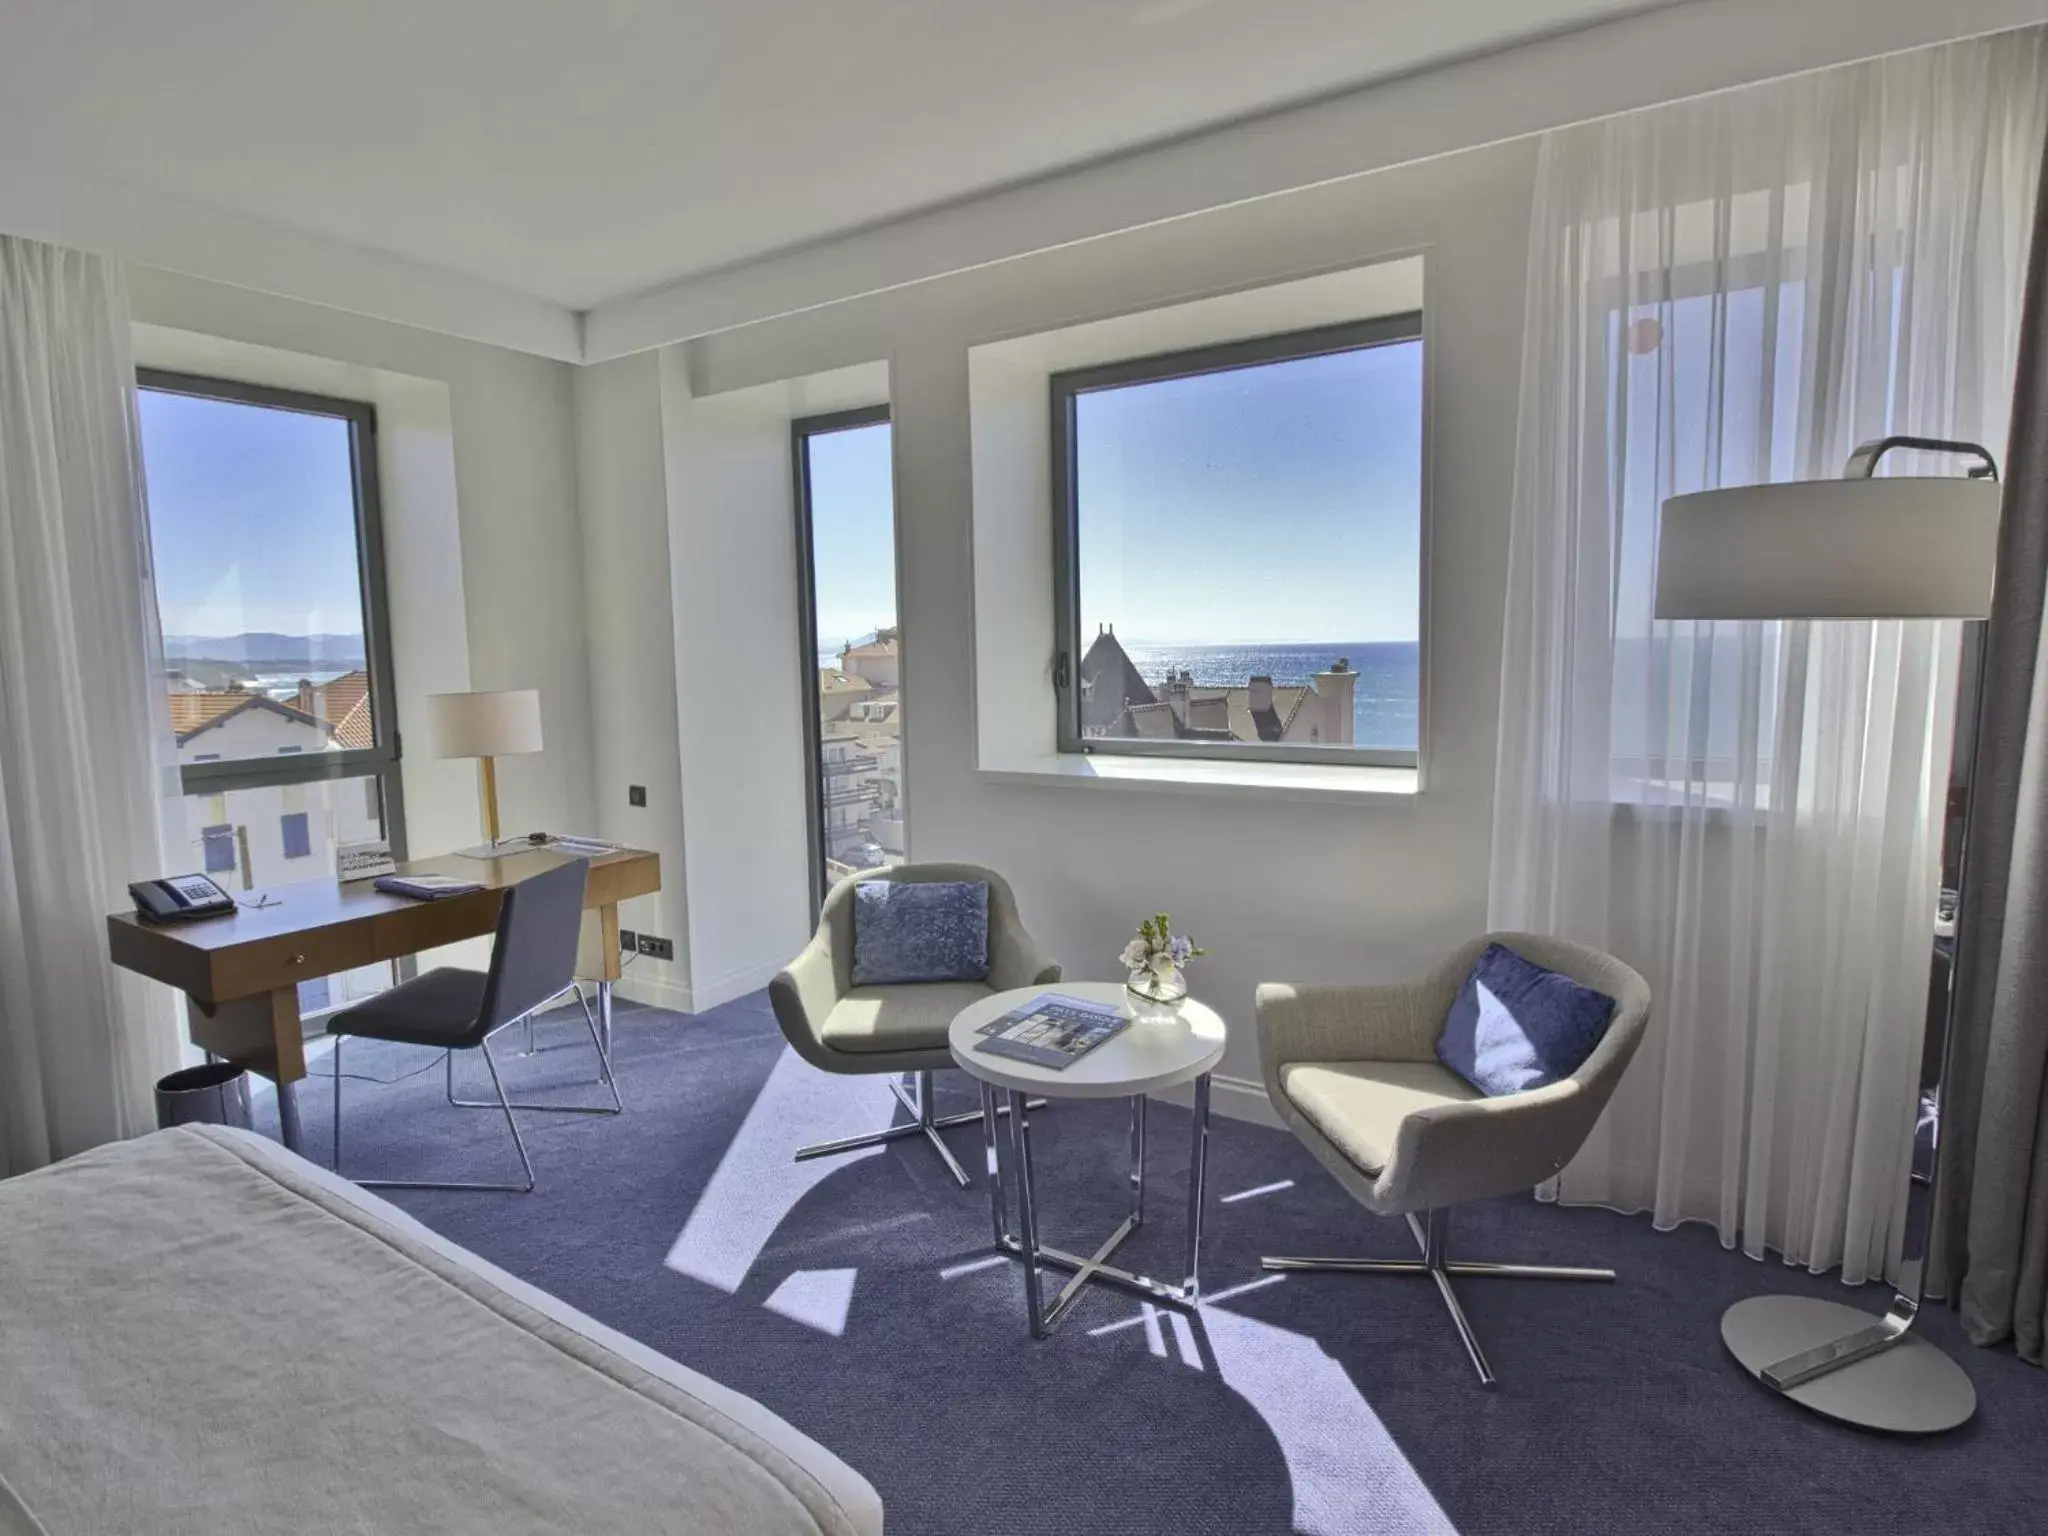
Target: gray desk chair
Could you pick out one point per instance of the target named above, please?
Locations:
(838, 1027)
(1354, 1073)
(533, 961)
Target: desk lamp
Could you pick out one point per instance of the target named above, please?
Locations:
(485, 726)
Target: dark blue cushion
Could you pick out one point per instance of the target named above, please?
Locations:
(919, 930)
(1516, 1026)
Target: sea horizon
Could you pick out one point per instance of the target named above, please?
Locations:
(1386, 700)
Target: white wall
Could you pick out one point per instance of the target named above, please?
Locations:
(622, 496)
(504, 581)
(739, 668)
(1367, 888)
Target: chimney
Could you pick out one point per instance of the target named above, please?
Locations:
(305, 698)
(1174, 694)
(1261, 695)
(1338, 688)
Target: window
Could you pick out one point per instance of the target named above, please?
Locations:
(846, 538)
(1239, 534)
(263, 515)
(218, 844)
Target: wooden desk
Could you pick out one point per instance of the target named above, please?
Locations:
(241, 972)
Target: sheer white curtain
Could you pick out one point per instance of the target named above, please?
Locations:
(1725, 291)
(84, 723)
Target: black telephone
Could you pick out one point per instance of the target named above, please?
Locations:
(179, 898)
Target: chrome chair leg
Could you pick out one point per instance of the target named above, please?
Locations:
(501, 1103)
(532, 1047)
(604, 1075)
(922, 1123)
(1440, 1268)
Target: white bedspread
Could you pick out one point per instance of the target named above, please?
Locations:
(200, 1334)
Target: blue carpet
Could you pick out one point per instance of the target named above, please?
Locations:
(859, 1300)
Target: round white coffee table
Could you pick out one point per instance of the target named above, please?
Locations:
(1162, 1047)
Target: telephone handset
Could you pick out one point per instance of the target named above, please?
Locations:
(178, 898)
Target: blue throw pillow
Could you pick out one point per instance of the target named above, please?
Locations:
(919, 930)
(1516, 1026)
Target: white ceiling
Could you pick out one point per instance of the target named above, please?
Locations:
(577, 151)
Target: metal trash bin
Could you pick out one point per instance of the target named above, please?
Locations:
(214, 1093)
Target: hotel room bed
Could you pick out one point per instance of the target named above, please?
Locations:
(201, 1332)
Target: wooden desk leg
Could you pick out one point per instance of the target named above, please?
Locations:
(598, 959)
(259, 1034)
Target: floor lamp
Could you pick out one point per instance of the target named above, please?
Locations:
(1854, 548)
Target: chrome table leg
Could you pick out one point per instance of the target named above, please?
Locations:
(1137, 1159)
(1198, 1179)
(998, 1205)
(1027, 1212)
(1035, 1254)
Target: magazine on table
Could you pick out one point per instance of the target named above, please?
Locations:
(1052, 1030)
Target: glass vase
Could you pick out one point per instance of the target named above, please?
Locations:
(1154, 988)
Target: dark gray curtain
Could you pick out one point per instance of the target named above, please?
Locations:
(1991, 1203)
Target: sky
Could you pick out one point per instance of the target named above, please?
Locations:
(1258, 506)
(1255, 506)
(251, 517)
(1261, 505)
(853, 533)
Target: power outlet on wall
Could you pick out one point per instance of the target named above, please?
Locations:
(656, 949)
(629, 942)
(636, 794)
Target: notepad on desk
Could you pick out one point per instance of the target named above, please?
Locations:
(426, 887)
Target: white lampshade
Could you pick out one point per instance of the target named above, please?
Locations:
(1894, 548)
(484, 724)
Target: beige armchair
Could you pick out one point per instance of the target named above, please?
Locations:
(839, 1027)
(1354, 1073)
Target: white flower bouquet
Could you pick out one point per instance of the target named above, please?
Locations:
(1156, 958)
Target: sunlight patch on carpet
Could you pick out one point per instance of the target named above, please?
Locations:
(1347, 1473)
(758, 1181)
(817, 1298)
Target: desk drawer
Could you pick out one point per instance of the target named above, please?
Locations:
(265, 964)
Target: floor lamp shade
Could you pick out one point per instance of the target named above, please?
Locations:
(485, 726)
(1896, 548)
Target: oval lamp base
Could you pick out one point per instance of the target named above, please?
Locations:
(1911, 1388)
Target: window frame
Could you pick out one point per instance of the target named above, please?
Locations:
(1066, 387)
(381, 759)
(801, 430)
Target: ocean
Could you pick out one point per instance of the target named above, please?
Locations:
(1388, 698)
(1387, 707)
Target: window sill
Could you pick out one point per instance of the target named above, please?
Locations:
(1322, 783)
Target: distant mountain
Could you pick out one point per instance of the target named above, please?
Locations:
(265, 650)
